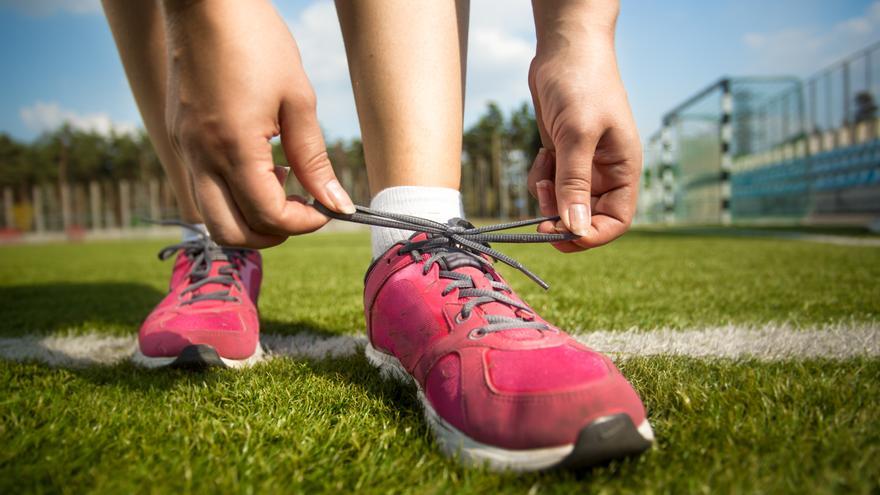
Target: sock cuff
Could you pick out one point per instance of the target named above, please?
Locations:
(435, 203)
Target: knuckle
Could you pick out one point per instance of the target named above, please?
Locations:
(306, 101)
(206, 134)
(225, 237)
(576, 132)
(317, 163)
(533, 68)
(263, 221)
(573, 183)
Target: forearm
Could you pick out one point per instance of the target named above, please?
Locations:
(567, 24)
(186, 20)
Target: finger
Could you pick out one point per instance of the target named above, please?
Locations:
(563, 246)
(616, 170)
(612, 219)
(260, 197)
(574, 164)
(282, 173)
(225, 223)
(542, 169)
(547, 205)
(307, 154)
(546, 198)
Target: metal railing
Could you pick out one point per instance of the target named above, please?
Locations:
(771, 149)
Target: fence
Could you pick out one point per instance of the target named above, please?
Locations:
(771, 150)
(96, 205)
(121, 205)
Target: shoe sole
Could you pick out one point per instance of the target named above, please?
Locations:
(197, 357)
(606, 438)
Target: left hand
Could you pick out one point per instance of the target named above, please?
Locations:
(588, 170)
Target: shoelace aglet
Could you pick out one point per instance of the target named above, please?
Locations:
(537, 280)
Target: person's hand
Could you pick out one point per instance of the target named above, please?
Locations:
(236, 81)
(589, 167)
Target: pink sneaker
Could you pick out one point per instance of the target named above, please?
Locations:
(209, 317)
(499, 385)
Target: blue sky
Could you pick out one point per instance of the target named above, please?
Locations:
(59, 63)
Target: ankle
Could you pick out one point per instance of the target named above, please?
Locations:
(434, 203)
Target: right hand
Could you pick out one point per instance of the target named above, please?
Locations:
(236, 81)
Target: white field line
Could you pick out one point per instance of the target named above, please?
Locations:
(766, 343)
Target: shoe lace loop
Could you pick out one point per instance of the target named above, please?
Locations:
(458, 244)
(203, 252)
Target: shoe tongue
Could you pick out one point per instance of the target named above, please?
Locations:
(218, 256)
(458, 259)
(218, 261)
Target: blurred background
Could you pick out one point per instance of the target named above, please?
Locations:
(751, 113)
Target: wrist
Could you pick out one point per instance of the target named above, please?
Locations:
(190, 23)
(566, 25)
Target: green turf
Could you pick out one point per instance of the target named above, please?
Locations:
(301, 426)
(310, 426)
(645, 280)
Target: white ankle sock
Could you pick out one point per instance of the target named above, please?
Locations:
(188, 235)
(434, 203)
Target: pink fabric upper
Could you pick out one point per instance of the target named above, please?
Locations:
(515, 389)
(230, 327)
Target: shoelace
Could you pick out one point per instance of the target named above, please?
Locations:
(204, 252)
(457, 244)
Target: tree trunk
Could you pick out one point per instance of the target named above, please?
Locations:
(482, 191)
(95, 204)
(39, 219)
(155, 209)
(66, 213)
(124, 204)
(503, 196)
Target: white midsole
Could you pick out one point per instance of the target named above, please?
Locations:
(140, 359)
(455, 443)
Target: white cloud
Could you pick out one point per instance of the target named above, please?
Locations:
(803, 50)
(43, 116)
(501, 45)
(319, 37)
(48, 7)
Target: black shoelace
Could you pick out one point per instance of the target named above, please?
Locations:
(203, 252)
(458, 243)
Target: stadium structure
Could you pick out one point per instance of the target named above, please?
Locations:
(771, 150)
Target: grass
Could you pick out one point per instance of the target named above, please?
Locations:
(334, 425)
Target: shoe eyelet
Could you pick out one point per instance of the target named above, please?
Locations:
(477, 334)
(461, 317)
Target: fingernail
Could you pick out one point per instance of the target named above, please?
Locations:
(339, 197)
(579, 219)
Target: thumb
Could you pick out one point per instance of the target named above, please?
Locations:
(306, 153)
(574, 165)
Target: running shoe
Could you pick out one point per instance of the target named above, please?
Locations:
(500, 385)
(209, 317)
